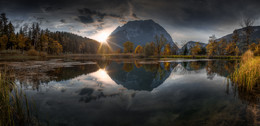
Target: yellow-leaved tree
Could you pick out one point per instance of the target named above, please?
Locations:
(139, 50)
(196, 49)
(55, 47)
(21, 41)
(167, 49)
(231, 48)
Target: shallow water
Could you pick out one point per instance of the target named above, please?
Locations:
(171, 92)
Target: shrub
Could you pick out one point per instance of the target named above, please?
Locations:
(32, 52)
(43, 54)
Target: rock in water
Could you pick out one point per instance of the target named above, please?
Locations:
(139, 32)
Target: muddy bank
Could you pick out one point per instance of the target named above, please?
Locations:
(32, 73)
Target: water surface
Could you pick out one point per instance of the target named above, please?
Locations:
(171, 92)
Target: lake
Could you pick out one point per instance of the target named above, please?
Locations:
(140, 93)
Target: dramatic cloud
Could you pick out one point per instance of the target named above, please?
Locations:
(184, 19)
(90, 16)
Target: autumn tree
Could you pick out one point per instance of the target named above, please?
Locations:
(231, 48)
(211, 48)
(167, 49)
(44, 42)
(149, 49)
(221, 45)
(257, 49)
(21, 42)
(139, 50)
(128, 47)
(196, 49)
(159, 43)
(55, 47)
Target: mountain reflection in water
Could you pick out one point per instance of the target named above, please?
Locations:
(144, 93)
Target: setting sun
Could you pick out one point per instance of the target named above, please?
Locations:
(102, 37)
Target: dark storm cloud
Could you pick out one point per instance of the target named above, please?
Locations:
(198, 13)
(85, 19)
(182, 16)
(50, 9)
(90, 16)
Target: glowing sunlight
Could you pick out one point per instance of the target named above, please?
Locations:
(102, 37)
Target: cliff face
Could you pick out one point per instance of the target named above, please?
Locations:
(139, 32)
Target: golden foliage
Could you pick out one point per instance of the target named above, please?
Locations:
(248, 74)
(167, 49)
(139, 50)
(211, 48)
(196, 49)
(231, 48)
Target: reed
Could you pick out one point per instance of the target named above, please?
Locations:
(14, 108)
(247, 75)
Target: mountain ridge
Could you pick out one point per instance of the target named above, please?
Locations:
(139, 32)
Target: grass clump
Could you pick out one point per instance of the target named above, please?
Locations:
(14, 108)
(247, 75)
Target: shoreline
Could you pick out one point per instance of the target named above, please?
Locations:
(24, 57)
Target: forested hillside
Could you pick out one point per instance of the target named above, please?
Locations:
(35, 38)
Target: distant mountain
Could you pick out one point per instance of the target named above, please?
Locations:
(186, 49)
(139, 32)
(242, 36)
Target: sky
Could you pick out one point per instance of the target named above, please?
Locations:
(184, 20)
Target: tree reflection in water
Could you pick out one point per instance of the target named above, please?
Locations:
(145, 76)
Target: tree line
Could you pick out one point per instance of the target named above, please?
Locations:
(35, 38)
(159, 47)
(214, 47)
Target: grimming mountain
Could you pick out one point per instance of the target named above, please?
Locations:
(186, 49)
(139, 32)
(255, 36)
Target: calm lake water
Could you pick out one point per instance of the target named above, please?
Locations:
(150, 93)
